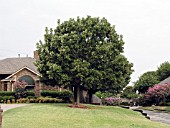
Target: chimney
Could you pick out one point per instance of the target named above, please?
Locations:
(36, 55)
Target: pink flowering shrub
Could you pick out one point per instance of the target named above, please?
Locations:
(20, 91)
(158, 94)
(112, 101)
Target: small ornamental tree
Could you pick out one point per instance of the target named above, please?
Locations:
(20, 91)
(159, 94)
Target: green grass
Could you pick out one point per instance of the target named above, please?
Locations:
(61, 116)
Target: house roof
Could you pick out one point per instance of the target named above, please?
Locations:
(167, 80)
(10, 79)
(11, 65)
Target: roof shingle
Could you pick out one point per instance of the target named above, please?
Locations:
(11, 65)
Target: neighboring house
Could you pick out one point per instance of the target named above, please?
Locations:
(167, 80)
(17, 69)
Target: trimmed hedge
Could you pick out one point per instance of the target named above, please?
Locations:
(39, 100)
(7, 99)
(6, 93)
(64, 95)
(9, 93)
(30, 93)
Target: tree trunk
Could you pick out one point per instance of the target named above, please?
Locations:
(90, 96)
(78, 95)
(75, 94)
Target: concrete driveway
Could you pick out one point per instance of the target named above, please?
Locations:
(6, 107)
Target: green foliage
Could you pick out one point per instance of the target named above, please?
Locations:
(129, 93)
(20, 91)
(6, 93)
(86, 53)
(53, 94)
(163, 71)
(104, 94)
(30, 93)
(65, 95)
(145, 81)
(125, 103)
(40, 100)
(6, 99)
(157, 95)
(48, 100)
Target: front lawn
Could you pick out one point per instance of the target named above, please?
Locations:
(61, 116)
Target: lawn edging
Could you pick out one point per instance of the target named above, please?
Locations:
(137, 110)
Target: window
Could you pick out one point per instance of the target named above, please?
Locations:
(27, 79)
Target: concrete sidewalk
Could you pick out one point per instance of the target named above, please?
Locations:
(155, 115)
(6, 107)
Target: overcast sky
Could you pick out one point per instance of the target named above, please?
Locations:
(144, 24)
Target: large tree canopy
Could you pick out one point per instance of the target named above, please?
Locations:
(148, 79)
(163, 71)
(84, 53)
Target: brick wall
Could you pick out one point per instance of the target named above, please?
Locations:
(26, 72)
(23, 73)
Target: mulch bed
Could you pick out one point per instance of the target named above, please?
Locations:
(78, 106)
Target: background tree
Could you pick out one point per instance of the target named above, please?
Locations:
(129, 93)
(163, 71)
(84, 53)
(145, 81)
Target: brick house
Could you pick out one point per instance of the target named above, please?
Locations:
(23, 69)
(17, 69)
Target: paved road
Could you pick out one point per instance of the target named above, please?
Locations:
(155, 115)
(158, 116)
(6, 107)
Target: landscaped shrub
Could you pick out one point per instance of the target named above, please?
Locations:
(7, 99)
(125, 103)
(6, 93)
(23, 100)
(64, 95)
(129, 93)
(168, 103)
(48, 100)
(103, 95)
(39, 100)
(157, 95)
(53, 94)
(20, 91)
(112, 101)
(30, 93)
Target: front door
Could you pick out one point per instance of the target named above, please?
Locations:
(5, 86)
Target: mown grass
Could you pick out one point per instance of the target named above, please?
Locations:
(61, 116)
